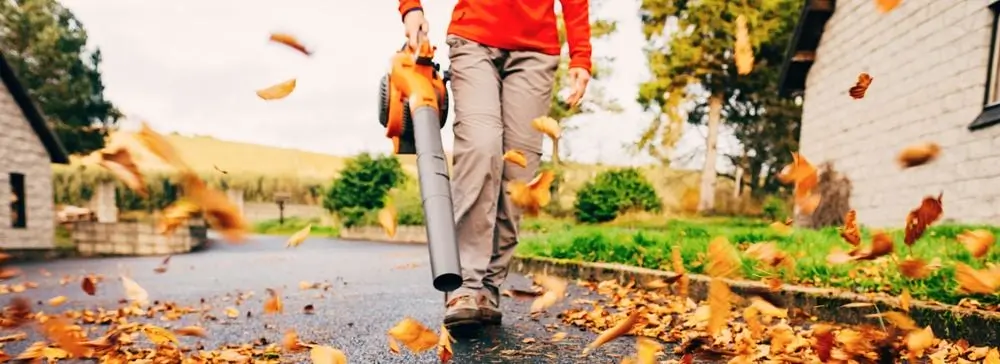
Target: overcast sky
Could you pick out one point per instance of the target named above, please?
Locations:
(193, 66)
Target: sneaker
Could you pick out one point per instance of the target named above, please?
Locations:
(489, 307)
(462, 316)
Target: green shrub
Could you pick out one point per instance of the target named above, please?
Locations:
(614, 192)
(363, 186)
(775, 208)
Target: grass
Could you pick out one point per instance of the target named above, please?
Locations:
(649, 246)
(294, 224)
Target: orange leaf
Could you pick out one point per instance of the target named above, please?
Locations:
(850, 231)
(918, 154)
(278, 91)
(977, 281)
(885, 6)
(289, 40)
(444, 345)
(859, 89)
(719, 304)
(175, 215)
(724, 260)
(555, 290)
(918, 341)
(917, 220)
(160, 147)
(60, 331)
(120, 163)
(768, 253)
(221, 213)
(823, 341)
(298, 237)
(904, 300)
(58, 300)
(547, 125)
(321, 354)
(414, 335)
(781, 228)
(273, 303)
(799, 170)
(196, 331)
(914, 268)
(88, 285)
(646, 350)
(516, 157)
(621, 328)
(743, 53)
(977, 242)
(387, 218)
(533, 195)
(881, 246)
(290, 341)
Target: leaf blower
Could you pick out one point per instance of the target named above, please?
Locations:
(413, 108)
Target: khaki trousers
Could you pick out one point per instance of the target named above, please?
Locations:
(497, 94)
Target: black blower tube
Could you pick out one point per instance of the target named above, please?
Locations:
(435, 190)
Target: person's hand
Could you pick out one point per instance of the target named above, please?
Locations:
(578, 79)
(416, 28)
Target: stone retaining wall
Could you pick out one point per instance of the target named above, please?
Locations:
(136, 238)
(404, 234)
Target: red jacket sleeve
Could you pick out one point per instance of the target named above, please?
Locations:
(406, 6)
(576, 14)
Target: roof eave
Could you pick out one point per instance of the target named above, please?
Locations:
(802, 48)
(57, 153)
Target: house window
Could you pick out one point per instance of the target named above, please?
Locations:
(18, 218)
(991, 104)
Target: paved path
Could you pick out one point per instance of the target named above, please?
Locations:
(374, 286)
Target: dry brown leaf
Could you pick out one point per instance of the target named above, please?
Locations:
(159, 335)
(444, 346)
(823, 341)
(195, 331)
(160, 147)
(61, 332)
(299, 237)
(768, 253)
(977, 281)
(743, 52)
(88, 285)
(232, 312)
(220, 212)
(918, 341)
(58, 300)
(917, 220)
(557, 337)
(621, 328)
(387, 218)
(646, 350)
(547, 125)
(881, 246)
(175, 215)
(273, 303)
(885, 6)
(516, 157)
(914, 268)
(977, 242)
(781, 228)
(555, 290)
(992, 357)
(858, 305)
(724, 260)
(278, 91)
(719, 304)
(808, 203)
(291, 41)
(533, 195)
(121, 165)
(134, 292)
(858, 90)
(800, 170)
(904, 300)
(918, 154)
(678, 265)
(850, 231)
(290, 342)
(414, 335)
(322, 354)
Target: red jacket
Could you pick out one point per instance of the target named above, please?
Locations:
(521, 25)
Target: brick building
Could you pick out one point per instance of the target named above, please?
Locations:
(935, 68)
(27, 150)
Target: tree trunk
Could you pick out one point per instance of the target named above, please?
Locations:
(739, 182)
(707, 201)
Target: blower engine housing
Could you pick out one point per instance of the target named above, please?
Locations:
(392, 104)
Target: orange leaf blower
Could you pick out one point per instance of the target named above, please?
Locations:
(413, 107)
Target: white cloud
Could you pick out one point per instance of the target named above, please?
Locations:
(192, 67)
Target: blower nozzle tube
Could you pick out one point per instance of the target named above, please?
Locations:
(435, 190)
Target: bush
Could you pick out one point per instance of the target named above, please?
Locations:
(362, 187)
(775, 208)
(613, 192)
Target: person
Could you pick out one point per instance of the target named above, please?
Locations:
(504, 56)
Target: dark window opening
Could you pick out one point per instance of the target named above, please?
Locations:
(18, 218)
(991, 100)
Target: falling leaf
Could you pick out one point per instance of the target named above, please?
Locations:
(678, 266)
(273, 303)
(647, 349)
(221, 213)
(162, 268)
(914, 268)
(61, 332)
(290, 341)
(781, 228)
(278, 91)
(444, 346)
(823, 341)
(121, 165)
(917, 220)
(88, 285)
(219, 169)
(547, 125)
(195, 331)
(724, 260)
(918, 341)
(289, 40)
(175, 215)
(387, 218)
(299, 237)
(516, 157)
(885, 6)
(134, 292)
(308, 309)
(904, 300)
(743, 53)
(414, 335)
(58, 300)
(977, 281)
(850, 231)
(533, 195)
(977, 242)
(859, 88)
(557, 337)
(719, 305)
(768, 253)
(621, 328)
(918, 154)
(159, 335)
(232, 312)
(160, 147)
(555, 290)
(321, 354)
(807, 203)
(881, 246)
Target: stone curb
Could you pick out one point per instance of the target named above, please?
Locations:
(978, 327)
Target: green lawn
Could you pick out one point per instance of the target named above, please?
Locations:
(293, 224)
(649, 244)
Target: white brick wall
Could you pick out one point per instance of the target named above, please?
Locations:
(21, 151)
(929, 60)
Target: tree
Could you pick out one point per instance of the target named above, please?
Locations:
(44, 43)
(693, 65)
(362, 186)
